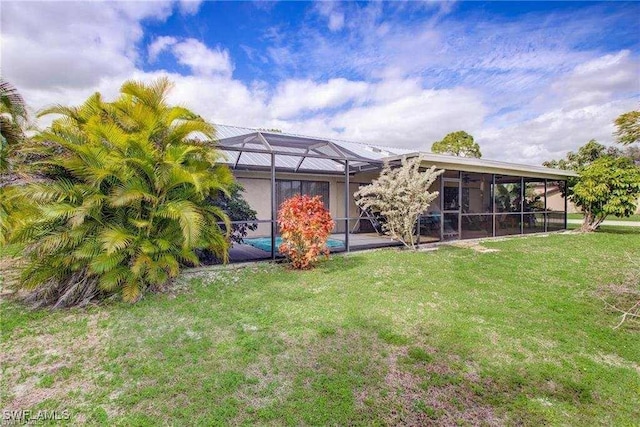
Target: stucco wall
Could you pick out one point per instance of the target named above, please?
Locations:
(257, 191)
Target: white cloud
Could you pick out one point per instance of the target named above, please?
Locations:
(598, 80)
(194, 54)
(201, 59)
(295, 96)
(159, 45)
(57, 54)
(189, 7)
(333, 13)
(578, 106)
(413, 121)
(72, 44)
(336, 21)
(551, 134)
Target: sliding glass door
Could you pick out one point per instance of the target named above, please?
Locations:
(451, 195)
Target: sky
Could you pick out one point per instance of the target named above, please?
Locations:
(529, 80)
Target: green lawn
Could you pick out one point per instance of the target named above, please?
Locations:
(609, 218)
(457, 336)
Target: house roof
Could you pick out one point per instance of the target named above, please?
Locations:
(250, 148)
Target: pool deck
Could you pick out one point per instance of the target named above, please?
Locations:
(244, 253)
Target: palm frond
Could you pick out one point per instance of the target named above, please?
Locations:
(150, 94)
(131, 291)
(106, 262)
(115, 239)
(189, 217)
(11, 102)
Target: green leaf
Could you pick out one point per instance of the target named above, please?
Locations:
(115, 239)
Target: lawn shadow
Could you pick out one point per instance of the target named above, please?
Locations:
(618, 229)
(340, 262)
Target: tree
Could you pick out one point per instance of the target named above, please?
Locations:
(628, 128)
(125, 202)
(585, 155)
(13, 120)
(604, 184)
(607, 186)
(459, 144)
(400, 195)
(632, 152)
(580, 159)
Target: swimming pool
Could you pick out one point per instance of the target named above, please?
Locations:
(264, 243)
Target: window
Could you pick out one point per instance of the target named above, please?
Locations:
(286, 189)
(451, 195)
(476, 193)
(507, 194)
(534, 194)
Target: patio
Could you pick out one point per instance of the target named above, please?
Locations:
(247, 252)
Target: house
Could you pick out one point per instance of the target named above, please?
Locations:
(477, 198)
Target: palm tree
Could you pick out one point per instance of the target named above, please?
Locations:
(126, 202)
(13, 119)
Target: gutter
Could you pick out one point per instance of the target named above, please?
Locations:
(468, 164)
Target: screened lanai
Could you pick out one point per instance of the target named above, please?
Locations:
(477, 198)
(297, 165)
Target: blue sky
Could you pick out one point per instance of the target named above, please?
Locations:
(530, 80)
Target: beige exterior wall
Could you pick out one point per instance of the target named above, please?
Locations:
(555, 202)
(257, 192)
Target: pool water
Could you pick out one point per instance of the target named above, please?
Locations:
(264, 243)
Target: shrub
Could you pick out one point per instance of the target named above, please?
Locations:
(237, 209)
(400, 195)
(125, 199)
(305, 225)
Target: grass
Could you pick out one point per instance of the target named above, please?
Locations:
(610, 229)
(635, 218)
(455, 336)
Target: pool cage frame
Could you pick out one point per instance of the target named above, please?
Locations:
(309, 155)
(275, 152)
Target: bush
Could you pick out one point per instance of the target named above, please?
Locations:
(305, 225)
(124, 202)
(400, 195)
(237, 209)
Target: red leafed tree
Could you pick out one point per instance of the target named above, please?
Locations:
(305, 225)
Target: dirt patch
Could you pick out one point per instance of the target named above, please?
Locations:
(9, 273)
(474, 246)
(623, 298)
(269, 385)
(615, 360)
(41, 365)
(447, 402)
(345, 357)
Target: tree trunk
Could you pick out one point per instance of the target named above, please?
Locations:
(591, 222)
